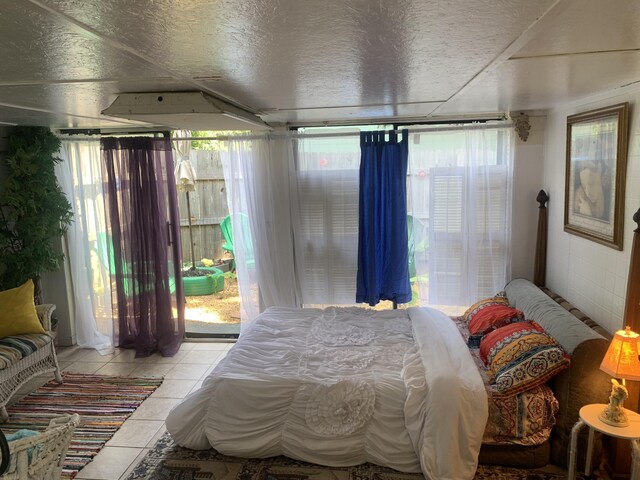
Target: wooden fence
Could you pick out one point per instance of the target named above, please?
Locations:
(208, 208)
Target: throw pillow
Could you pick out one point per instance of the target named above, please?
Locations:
(476, 307)
(492, 342)
(18, 313)
(493, 316)
(521, 356)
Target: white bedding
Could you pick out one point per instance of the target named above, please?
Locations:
(342, 387)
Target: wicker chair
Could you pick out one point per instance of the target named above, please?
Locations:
(41, 361)
(41, 456)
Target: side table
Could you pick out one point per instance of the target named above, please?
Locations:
(589, 416)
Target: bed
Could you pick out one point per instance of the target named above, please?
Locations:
(397, 388)
(344, 386)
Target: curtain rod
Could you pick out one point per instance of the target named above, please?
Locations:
(292, 134)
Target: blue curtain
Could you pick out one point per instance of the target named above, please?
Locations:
(383, 256)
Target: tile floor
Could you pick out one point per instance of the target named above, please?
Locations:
(182, 373)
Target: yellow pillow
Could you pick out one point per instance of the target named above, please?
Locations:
(18, 311)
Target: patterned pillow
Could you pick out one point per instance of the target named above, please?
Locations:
(491, 317)
(521, 356)
(523, 419)
(476, 307)
(488, 344)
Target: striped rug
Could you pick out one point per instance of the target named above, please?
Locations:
(102, 402)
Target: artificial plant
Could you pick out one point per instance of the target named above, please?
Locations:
(34, 210)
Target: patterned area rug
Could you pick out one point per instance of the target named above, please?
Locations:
(167, 461)
(102, 402)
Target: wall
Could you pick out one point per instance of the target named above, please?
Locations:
(591, 276)
(527, 182)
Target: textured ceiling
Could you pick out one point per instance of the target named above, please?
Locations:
(309, 61)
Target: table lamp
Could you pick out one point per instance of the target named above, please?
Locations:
(620, 361)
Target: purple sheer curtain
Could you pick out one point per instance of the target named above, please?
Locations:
(144, 244)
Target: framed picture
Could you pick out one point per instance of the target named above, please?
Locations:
(595, 176)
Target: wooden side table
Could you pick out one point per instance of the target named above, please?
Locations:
(589, 416)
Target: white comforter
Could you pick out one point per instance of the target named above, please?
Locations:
(342, 387)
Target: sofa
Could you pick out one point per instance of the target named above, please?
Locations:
(25, 356)
(581, 384)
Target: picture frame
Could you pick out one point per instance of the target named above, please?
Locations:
(595, 176)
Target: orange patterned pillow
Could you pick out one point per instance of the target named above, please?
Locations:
(476, 307)
(522, 356)
(491, 317)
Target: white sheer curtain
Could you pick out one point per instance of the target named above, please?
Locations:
(298, 194)
(80, 177)
(460, 184)
(257, 177)
(326, 237)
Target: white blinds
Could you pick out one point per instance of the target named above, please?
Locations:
(326, 241)
(466, 176)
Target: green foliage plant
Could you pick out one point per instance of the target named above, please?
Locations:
(34, 210)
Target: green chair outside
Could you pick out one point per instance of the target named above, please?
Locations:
(412, 224)
(105, 253)
(227, 233)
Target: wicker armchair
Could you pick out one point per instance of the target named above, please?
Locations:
(41, 361)
(41, 456)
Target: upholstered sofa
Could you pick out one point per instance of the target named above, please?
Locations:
(23, 357)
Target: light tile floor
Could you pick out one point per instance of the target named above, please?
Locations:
(182, 374)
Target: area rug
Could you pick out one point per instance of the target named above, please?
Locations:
(166, 461)
(102, 402)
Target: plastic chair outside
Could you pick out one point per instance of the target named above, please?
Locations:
(412, 225)
(227, 233)
(104, 245)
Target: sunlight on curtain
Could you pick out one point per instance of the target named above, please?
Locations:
(144, 244)
(80, 177)
(460, 200)
(259, 196)
(326, 240)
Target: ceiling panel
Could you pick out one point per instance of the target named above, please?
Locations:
(360, 114)
(87, 99)
(9, 115)
(37, 47)
(545, 82)
(589, 26)
(300, 54)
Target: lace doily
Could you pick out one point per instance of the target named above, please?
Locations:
(335, 333)
(341, 408)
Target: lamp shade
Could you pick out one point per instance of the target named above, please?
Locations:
(621, 359)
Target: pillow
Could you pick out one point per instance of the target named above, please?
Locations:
(21, 434)
(492, 341)
(18, 313)
(476, 307)
(522, 356)
(494, 316)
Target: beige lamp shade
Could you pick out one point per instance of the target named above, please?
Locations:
(621, 359)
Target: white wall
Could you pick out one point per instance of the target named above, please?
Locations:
(527, 182)
(58, 289)
(591, 276)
